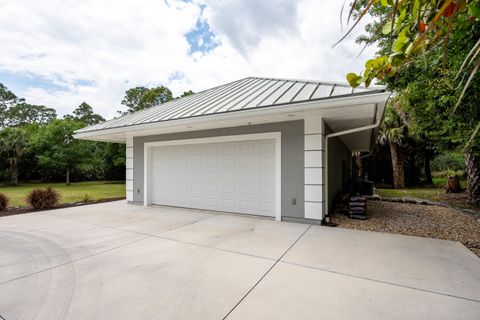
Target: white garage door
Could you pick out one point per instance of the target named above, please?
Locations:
(227, 176)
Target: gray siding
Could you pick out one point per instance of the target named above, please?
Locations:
(292, 159)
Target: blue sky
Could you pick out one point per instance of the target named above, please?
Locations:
(60, 53)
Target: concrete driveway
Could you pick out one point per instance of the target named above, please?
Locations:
(119, 261)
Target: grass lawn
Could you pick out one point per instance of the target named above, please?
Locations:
(432, 194)
(75, 192)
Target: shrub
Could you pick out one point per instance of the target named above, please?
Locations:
(3, 202)
(448, 161)
(43, 198)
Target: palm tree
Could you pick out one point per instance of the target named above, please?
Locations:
(393, 132)
(13, 146)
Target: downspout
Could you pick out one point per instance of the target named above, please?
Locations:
(336, 134)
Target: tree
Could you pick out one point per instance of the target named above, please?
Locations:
(393, 132)
(23, 113)
(409, 29)
(84, 113)
(56, 148)
(7, 99)
(429, 55)
(140, 98)
(13, 146)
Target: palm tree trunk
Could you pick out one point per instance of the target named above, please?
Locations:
(13, 172)
(472, 161)
(397, 166)
(68, 176)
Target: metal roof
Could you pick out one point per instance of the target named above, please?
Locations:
(244, 94)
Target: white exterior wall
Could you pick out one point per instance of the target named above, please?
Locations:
(314, 170)
(129, 169)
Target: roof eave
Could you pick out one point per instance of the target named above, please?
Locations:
(370, 97)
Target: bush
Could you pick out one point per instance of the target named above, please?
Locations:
(43, 198)
(448, 161)
(3, 202)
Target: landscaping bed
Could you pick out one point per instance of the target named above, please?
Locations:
(417, 220)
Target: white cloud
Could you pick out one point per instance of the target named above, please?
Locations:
(117, 45)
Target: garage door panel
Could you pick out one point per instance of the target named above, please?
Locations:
(266, 206)
(247, 147)
(228, 188)
(198, 202)
(212, 188)
(229, 204)
(232, 176)
(229, 149)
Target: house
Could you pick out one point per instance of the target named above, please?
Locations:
(270, 147)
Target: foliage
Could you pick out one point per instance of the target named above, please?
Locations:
(413, 28)
(23, 113)
(75, 192)
(84, 113)
(35, 145)
(13, 147)
(3, 201)
(56, 148)
(186, 93)
(7, 99)
(429, 54)
(43, 198)
(448, 161)
(393, 127)
(140, 98)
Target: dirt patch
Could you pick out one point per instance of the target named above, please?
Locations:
(462, 200)
(19, 210)
(417, 220)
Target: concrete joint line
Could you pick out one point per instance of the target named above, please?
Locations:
(159, 235)
(265, 274)
(380, 281)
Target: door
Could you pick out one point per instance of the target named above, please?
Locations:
(237, 176)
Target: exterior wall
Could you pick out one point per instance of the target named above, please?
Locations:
(313, 166)
(129, 169)
(337, 151)
(292, 159)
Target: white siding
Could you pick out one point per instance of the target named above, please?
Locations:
(314, 171)
(129, 169)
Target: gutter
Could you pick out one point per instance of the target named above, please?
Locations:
(337, 134)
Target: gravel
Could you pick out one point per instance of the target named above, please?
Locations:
(417, 220)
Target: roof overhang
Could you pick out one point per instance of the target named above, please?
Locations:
(340, 113)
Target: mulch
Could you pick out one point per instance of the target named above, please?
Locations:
(417, 220)
(19, 210)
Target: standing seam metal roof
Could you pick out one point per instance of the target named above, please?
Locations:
(243, 94)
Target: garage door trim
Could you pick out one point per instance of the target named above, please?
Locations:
(276, 136)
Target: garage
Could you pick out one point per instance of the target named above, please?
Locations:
(219, 173)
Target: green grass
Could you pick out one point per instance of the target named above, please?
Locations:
(75, 192)
(432, 194)
(428, 193)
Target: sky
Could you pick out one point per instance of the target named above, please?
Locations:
(60, 53)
